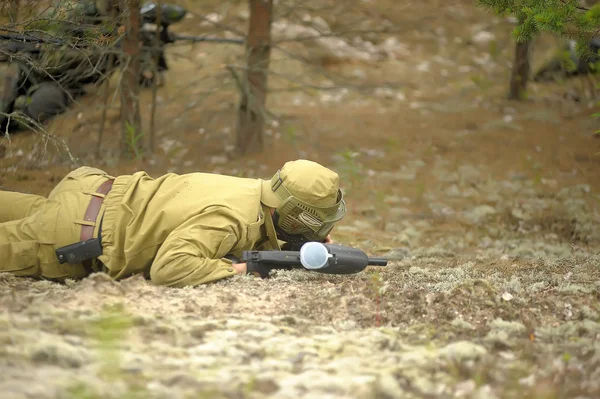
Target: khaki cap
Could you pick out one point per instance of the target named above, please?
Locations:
(306, 180)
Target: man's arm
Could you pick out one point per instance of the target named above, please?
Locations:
(242, 268)
(193, 254)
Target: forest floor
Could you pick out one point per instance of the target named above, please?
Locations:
(488, 210)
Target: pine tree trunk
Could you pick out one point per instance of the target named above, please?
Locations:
(253, 98)
(131, 137)
(520, 71)
(112, 9)
(13, 10)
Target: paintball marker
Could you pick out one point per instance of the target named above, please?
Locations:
(168, 14)
(316, 257)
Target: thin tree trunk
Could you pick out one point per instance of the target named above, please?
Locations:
(520, 71)
(155, 59)
(14, 10)
(131, 141)
(110, 62)
(253, 98)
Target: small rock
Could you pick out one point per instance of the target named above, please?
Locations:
(359, 73)
(199, 330)
(219, 159)
(469, 173)
(507, 296)
(485, 392)
(568, 311)
(392, 199)
(59, 353)
(462, 350)
(387, 387)
(483, 37)
(520, 214)
(552, 183)
(503, 333)
(423, 67)
(362, 225)
(453, 191)
(462, 324)
(182, 380)
(368, 210)
(465, 388)
(25, 389)
(266, 385)
(528, 381)
(512, 327)
(479, 213)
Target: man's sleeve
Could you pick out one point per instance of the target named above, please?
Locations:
(193, 253)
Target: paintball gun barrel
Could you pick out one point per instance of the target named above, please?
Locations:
(177, 37)
(317, 257)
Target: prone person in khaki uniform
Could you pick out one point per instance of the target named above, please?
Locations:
(176, 229)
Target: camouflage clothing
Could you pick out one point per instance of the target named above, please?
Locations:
(38, 79)
(567, 63)
(78, 38)
(74, 22)
(9, 80)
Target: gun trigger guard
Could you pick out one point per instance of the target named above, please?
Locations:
(256, 269)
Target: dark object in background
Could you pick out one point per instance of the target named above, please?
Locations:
(30, 89)
(568, 64)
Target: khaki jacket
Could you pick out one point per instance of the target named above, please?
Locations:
(176, 229)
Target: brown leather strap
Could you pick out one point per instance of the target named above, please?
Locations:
(91, 213)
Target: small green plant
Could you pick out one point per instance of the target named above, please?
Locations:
(394, 144)
(81, 391)
(349, 167)
(494, 49)
(109, 331)
(534, 168)
(420, 191)
(597, 132)
(481, 82)
(290, 135)
(132, 140)
(378, 198)
(376, 290)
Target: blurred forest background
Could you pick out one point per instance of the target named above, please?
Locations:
(384, 92)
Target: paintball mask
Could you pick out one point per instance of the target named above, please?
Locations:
(169, 13)
(309, 202)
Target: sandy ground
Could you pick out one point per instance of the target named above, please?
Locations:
(488, 210)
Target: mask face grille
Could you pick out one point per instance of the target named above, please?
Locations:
(292, 222)
(299, 218)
